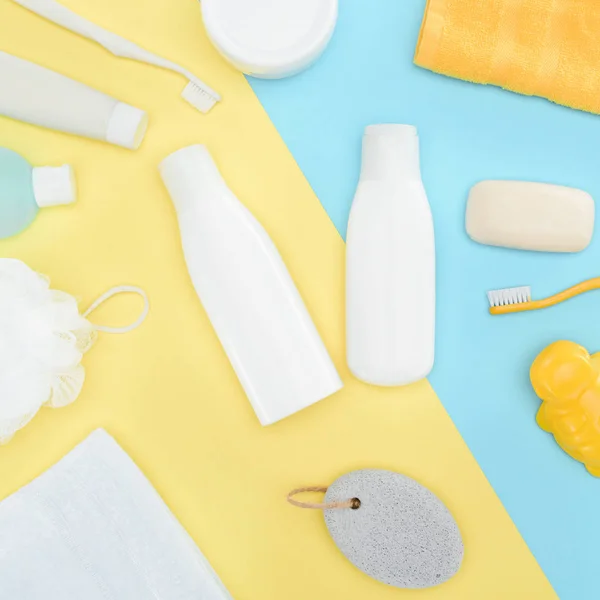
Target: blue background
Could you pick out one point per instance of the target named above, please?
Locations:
(468, 133)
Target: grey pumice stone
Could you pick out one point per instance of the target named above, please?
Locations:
(402, 534)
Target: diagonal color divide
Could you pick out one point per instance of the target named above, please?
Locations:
(166, 391)
(468, 133)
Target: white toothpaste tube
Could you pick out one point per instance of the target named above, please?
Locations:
(36, 95)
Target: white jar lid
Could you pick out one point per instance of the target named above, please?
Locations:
(267, 38)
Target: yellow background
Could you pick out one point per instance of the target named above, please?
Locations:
(166, 391)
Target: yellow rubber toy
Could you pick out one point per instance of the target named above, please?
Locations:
(567, 379)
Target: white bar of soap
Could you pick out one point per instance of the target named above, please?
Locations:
(530, 216)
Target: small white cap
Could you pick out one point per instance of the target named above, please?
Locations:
(127, 126)
(53, 186)
(190, 174)
(407, 131)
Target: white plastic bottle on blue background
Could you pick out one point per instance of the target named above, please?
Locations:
(390, 284)
(25, 189)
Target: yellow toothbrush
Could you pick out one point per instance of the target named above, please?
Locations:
(513, 300)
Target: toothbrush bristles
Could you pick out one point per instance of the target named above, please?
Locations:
(198, 97)
(517, 295)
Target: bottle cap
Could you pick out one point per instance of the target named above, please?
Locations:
(127, 126)
(189, 174)
(53, 186)
(395, 129)
(270, 39)
(390, 151)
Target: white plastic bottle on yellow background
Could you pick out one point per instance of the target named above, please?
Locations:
(247, 292)
(390, 285)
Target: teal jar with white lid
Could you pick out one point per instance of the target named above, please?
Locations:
(25, 189)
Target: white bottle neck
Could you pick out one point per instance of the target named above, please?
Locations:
(191, 175)
(390, 152)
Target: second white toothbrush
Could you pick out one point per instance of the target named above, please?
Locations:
(197, 93)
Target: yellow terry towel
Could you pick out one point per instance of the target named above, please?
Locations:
(548, 48)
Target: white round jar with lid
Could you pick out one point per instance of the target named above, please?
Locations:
(270, 39)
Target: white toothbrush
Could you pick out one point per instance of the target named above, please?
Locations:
(197, 93)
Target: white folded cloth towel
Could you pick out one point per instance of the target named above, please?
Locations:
(93, 528)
